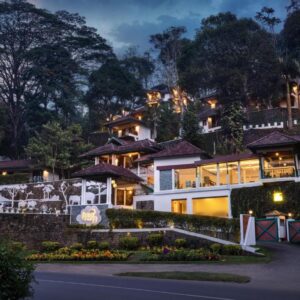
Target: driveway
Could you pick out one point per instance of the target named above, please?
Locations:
(282, 274)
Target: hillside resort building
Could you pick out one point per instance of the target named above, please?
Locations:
(176, 176)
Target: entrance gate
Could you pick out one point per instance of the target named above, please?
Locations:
(266, 230)
(294, 231)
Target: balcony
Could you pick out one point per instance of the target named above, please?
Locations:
(279, 172)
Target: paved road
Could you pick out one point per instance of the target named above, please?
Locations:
(276, 280)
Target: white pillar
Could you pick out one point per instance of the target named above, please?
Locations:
(83, 191)
(108, 191)
(96, 160)
(189, 206)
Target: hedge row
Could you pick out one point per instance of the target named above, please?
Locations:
(260, 199)
(123, 218)
(14, 178)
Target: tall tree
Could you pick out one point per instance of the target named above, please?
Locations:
(169, 44)
(190, 126)
(57, 148)
(112, 89)
(43, 57)
(140, 66)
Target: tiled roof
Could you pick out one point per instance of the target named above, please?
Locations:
(124, 120)
(182, 148)
(134, 146)
(107, 170)
(226, 158)
(275, 138)
(21, 164)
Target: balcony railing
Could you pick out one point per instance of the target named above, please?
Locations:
(279, 172)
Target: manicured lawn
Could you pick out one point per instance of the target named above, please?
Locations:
(198, 276)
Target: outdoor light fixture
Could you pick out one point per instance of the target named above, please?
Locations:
(290, 215)
(250, 212)
(277, 197)
(113, 182)
(4, 173)
(277, 154)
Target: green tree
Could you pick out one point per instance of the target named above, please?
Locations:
(190, 126)
(57, 148)
(112, 89)
(169, 44)
(141, 67)
(232, 125)
(16, 273)
(168, 123)
(44, 59)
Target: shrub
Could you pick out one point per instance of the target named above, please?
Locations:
(92, 244)
(180, 243)
(216, 248)
(76, 246)
(18, 246)
(64, 250)
(129, 243)
(16, 273)
(155, 239)
(125, 218)
(232, 250)
(49, 246)
(104, 246)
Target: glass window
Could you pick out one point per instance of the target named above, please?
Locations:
(165, 180)
(208, 175)
(249, 170)
(179, 206)
(233, 173)
(216, 207)
(223, 174)
(185, 178)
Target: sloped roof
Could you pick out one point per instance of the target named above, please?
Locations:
(104, 170)
(208, 112)
(20, 164)
(226, 158)
(275, 138)
(130, 146)
(124, 120)
(182, 148)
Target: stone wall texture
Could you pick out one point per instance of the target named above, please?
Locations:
(33, 229)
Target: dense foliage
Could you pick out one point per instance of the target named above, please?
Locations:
(16, 274)
(260, 199)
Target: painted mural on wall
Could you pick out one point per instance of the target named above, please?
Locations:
(49, 197)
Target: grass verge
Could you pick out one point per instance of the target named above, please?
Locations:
(198, 276)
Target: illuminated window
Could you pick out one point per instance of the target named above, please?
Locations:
(233, 175)
(208, 175)
(249, 170)
(223, 174)
(185, 178)
(179, 206)
(216, 207)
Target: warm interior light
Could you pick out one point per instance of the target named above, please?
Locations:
(45, 174)
(277, 154)
(277, 197)
(137, 128)
(4, 173)
(116, 160)
(213, 105)
(119, 132)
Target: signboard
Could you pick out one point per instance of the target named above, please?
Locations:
(90, 215)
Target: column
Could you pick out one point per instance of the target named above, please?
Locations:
(189, 206)
(239, 172)
(83, 191)
(108, 191)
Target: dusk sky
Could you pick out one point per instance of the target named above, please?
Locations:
(127, 23)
